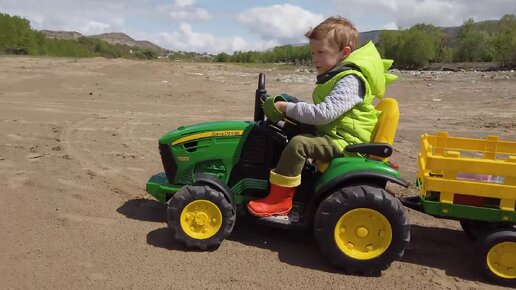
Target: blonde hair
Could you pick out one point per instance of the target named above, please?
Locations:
(339, 30)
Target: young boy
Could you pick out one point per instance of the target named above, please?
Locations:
(343, 111)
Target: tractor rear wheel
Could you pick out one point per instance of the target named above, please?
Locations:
(362, 229)
(200, 216)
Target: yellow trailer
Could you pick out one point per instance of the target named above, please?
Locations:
(473, 181)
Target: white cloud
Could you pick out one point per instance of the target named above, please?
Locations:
(189, 14)
(390, 26)
(286, 23)
(185, 39)
(185, 11)
(184, 3)
(37, 20)
(83, 16)
(94, 27)
(406, 13)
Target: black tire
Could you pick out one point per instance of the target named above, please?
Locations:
(507, 259)
(368, 199)
(477, 229)
(207, 195)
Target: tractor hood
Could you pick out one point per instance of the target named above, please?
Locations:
(200, 131)
(211, 148)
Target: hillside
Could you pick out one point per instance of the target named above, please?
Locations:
(373, 35)
(111, 38)
(124, 39)
(68, 35)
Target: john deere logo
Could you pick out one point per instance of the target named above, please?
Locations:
(183, 158)
(225, 133)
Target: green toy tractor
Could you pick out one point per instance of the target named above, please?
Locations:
(213, 169)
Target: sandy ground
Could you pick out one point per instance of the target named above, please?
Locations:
(78, 141)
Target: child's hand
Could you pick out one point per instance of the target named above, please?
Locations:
(271, 109)
(282, 106)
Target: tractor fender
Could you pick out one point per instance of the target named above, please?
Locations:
(206, 179)
(363, 176)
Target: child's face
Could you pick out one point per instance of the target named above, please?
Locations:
(326, 54)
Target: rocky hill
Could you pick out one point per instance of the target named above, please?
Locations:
(124, 39)
(111, 38)
(69, 35)
(373, 35)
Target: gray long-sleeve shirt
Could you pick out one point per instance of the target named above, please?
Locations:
(348, 92)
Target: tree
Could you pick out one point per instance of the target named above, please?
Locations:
(413, 48)
(504, 41)
(417, 50)
(390, 43)
(472, 44)
(222, 57)
(15, 34)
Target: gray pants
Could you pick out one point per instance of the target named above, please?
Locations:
(305, 146)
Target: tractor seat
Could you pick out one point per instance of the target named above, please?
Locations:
(382, 136)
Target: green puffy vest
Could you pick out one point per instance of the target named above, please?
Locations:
(356, 125)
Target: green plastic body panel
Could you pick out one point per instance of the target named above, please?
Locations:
(212, 148)
(456, 211)
(356, 165)
(159, 187)
(247, 183)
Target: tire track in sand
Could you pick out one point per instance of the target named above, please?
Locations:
(96, 144)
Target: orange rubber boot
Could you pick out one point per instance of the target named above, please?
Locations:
(277, 202)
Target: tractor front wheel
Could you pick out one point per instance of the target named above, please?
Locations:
(362, 229)
(200, 216)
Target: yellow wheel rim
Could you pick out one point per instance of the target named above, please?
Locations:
(501, 260)
(363, 233)
(201, 219)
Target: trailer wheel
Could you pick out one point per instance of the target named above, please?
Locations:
(476, 229)
(497, 257)
(200, 216)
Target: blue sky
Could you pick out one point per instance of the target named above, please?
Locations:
(216, 26)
